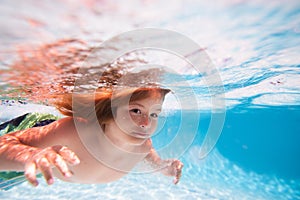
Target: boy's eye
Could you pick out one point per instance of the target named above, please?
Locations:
(154, 115)
(136, 111)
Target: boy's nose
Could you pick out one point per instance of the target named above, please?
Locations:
(144, 121)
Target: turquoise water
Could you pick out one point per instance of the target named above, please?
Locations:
(255, 46)
(257, 160)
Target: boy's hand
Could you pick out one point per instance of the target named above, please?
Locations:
(56, 156)
(173, 168)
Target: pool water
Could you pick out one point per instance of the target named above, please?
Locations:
(255, 46)
(257, 160)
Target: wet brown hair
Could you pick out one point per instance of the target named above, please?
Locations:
(103, 103)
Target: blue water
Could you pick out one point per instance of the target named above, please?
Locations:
(247, 163)
(264, 140)
(255, 46)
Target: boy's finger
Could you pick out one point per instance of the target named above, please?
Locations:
(30, 170)
(176, 180)
(67, 154)
(61, 165)
(46, 170)
(179, 166)
(178, 173)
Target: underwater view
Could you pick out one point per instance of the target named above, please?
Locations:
(233, 67)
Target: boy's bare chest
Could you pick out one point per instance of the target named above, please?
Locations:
(106, 169)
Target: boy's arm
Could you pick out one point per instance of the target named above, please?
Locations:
(170, 167)
(18, 153)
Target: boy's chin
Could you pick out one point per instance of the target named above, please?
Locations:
(137, 140)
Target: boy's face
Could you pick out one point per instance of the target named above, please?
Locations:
(138, 119)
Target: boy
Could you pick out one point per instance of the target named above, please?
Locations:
(124, 140)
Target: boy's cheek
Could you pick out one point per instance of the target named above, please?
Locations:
(153, 126)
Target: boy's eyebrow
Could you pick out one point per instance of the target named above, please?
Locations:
(138, 104)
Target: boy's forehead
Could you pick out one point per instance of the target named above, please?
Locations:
(150, 101)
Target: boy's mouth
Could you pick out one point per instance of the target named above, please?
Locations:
(141, 135)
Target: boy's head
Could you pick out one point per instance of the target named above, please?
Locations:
(132, 114)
